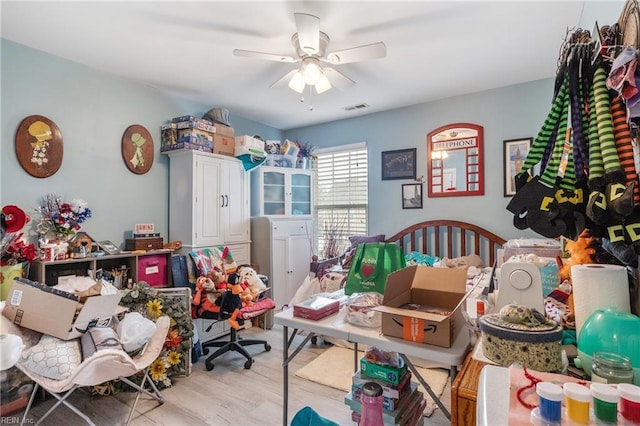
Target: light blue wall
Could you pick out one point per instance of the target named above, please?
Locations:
(92, 111)
(505, 113)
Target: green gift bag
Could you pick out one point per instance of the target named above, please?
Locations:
(371, 264)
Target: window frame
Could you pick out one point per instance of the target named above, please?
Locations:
(360, 208)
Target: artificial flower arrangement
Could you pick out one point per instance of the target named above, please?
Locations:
(13, 249)
(153, 303)
(306, 150)
(61, 217)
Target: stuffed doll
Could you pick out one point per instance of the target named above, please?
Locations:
(219, 278)
(250, 276)
(206, 296)
(230, 304)
(246, 295)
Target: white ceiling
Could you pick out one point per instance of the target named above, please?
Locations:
(435, 49)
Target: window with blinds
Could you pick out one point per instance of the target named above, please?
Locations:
(341, 198)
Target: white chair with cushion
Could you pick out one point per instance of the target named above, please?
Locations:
(102, 366)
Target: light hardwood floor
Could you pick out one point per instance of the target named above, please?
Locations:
(227, 395)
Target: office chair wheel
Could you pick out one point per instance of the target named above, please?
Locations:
(209, 365)
(247, 365)
(267, 347)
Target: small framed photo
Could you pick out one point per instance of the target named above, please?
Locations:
(399, 164)
(514, 154)
(108, 247)
(412, 196)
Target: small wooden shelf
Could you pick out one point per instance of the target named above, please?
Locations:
(48, 272)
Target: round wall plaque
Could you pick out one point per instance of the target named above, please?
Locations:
(39, 146)
(137, 149)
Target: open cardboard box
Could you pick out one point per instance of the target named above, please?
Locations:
(37, 307)
(437, 290)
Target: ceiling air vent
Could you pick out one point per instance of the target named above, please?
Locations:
(356, 107)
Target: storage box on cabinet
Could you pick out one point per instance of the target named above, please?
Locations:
(153, 270)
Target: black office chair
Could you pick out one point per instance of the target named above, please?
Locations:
(236, 343)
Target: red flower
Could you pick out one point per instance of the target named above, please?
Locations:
(17, 251)
(173, 339)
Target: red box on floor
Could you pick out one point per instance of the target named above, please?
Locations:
(316, 308)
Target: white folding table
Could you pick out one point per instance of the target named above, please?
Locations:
(335, 326)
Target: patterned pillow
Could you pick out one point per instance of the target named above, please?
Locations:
(52, 357)
(98, 338)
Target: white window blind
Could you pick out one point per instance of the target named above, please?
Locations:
(341, 198)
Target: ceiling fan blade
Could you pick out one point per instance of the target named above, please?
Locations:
(337, 79)
(357, 54)
(308, 27)
(285, 79)
(263, 55)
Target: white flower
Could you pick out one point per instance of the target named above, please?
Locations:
(78, 206)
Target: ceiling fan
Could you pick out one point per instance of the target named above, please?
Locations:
(311, 49)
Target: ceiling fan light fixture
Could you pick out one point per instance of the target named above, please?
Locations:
(311, 71)
(297, 82)
(323, 84)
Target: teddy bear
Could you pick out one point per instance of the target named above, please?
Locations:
(206, 296)
(250, 276)
(219, 278)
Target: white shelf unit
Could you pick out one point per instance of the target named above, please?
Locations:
(281, 191)
(282, 250)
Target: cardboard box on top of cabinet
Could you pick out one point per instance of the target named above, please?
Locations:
(221, 129)
(173, 139)
(423, 304)
(225, 145)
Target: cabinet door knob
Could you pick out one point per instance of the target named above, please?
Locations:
(222, 198)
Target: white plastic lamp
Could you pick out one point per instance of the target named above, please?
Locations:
(323, 84)
(297, 82)
(310, 74)
(10, 350)
(311, 71)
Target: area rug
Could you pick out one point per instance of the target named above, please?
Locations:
(334, 368)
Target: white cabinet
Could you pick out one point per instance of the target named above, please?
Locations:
(281, 248)
(281, 191)
(208, 201)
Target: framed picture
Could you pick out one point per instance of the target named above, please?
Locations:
(39, 146)
(412, 196)
(108, 247)
(137, 149)
(514, 154)
(399, 164)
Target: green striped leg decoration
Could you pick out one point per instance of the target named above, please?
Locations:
(550, 175)
(543, 139)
